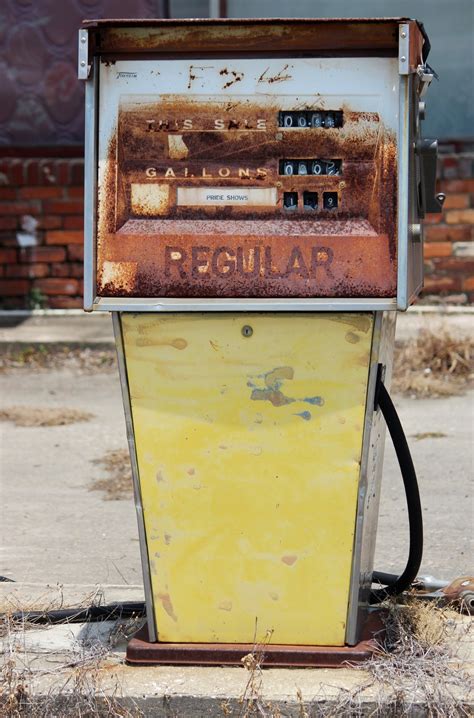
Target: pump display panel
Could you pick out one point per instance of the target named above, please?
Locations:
(247, 178)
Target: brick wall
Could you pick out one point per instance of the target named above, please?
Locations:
(449, 237)
(41, 205)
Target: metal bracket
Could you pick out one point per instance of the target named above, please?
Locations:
(425, 78)
(404, 49)
(83, 64)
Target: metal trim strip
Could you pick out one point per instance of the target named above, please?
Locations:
(90, 186)
(122, 364)
(110, 304)
(403, 192)
(352, 623)
(371, 465)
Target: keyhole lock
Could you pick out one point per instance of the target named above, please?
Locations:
(247, 330)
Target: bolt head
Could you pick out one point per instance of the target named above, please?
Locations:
(403, 58)
(83, 63)
(403, 34)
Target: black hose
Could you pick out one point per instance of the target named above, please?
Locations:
(415, 518)
(109, 612)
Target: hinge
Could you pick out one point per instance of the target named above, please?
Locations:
(83, 64)
(404, 49)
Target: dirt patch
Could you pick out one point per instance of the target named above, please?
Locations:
(433, 365)
(43, 416)
(118, 483)
(429, 435)
(43, 357)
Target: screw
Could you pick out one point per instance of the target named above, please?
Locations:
(403, 34)
(83, 63)
(403, 58)
(83, 39)
(247, 331)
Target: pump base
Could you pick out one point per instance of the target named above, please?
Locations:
(141, 651)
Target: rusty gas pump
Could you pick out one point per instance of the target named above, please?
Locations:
(254, 192)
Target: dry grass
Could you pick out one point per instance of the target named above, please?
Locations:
(44, 357)
(43, 416)
(118, 484)
(433, 365)
(416, 671)
(73, 678)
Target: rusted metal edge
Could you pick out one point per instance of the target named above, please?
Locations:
(238, 21)
(260, 35)
(141, 651)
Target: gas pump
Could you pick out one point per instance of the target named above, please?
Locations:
(254, 191)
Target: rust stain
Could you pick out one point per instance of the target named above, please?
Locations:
(191, 471)
(167, 605)
(178, 343)
(254, 35)
(244, 251)
(274, 596)
(272, 392)
(352, 338)
(167, 538)
(159, 476)
(289, 560)
(278, 77)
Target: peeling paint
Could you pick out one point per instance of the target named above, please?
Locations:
(289, 560)
(167, 605)
(306, 415)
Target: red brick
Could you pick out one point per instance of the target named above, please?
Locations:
(67, 269)
(63, 173)
(455, 264)
(458, 185)
(13, 169)
(65, 302)
(437, 249)
(42, 254)
(14, 287)
(50, 221)
(64, 207)
(468, 284)
(7, 193)
(443, 233)
(434, 284)
(62, 237)
(2, 270)
(8, 222)
(73, 222)
(433, 218)
(75, 252)
(456, 201)
(27, 270)
(76, 192)
(460, 216)
(32, 207)
(77, 172)
(7, 255)
(40, 192)
(57, 286)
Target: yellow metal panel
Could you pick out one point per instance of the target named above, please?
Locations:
(249, 453)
